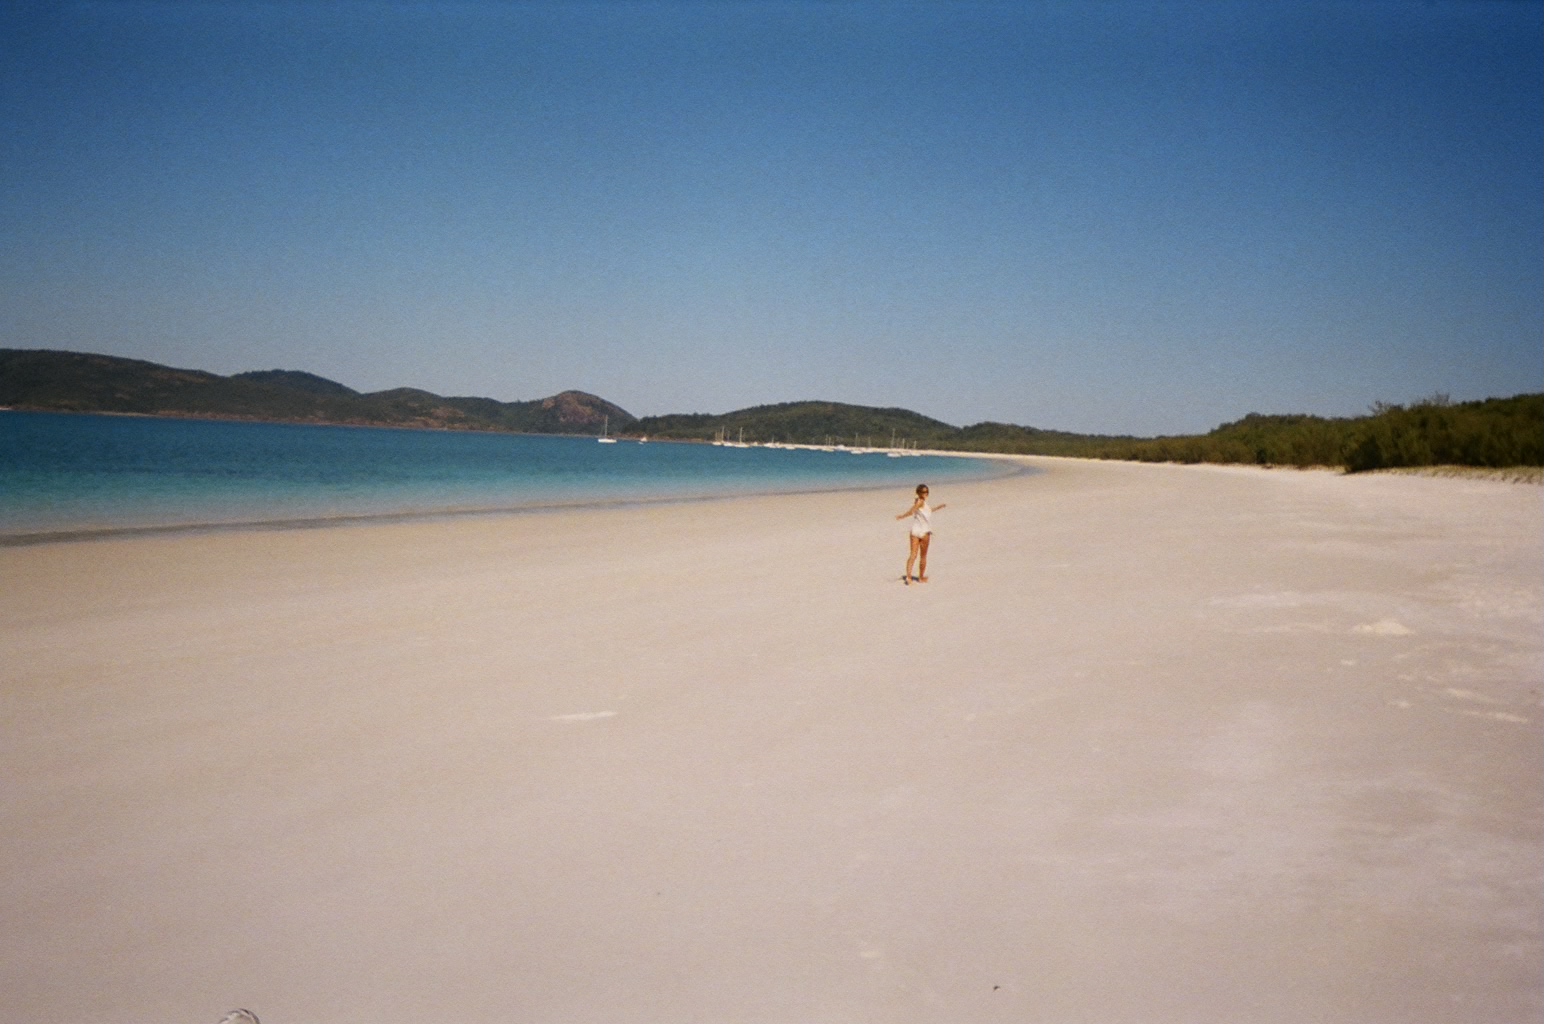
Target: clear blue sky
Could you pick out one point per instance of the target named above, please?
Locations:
(1100, 216)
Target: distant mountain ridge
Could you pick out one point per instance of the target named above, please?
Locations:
(1493, 432)
(47, 380)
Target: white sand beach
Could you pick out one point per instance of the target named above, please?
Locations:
(1156, 744)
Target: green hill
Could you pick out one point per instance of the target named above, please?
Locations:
(81, 382)
(802, 423)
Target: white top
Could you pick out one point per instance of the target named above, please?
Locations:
(922, 521)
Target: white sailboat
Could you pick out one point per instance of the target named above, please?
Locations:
(605, 437)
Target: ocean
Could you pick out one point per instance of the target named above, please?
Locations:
(65, 475)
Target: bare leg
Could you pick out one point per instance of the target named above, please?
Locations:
(921, 544)
(911, 558)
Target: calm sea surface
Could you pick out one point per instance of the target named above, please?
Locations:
(64, 474)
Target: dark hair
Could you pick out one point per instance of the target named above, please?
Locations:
(921, 488)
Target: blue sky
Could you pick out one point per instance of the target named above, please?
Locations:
(1100, 216)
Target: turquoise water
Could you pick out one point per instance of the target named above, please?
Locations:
(67, 474)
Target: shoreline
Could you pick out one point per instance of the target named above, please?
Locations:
(88, 534)
(506, 474)
(1266, 747)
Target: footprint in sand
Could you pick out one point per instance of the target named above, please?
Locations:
(1480, 698)
(1496, 716)
(1384, 627)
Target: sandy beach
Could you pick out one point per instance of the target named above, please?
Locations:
(1156, 744)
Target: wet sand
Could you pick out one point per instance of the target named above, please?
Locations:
(1155, 744)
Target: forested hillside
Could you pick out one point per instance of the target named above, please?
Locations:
(80, 382)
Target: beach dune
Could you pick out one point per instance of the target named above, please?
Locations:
(1156, 744)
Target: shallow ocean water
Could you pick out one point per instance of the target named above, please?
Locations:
(79, 473)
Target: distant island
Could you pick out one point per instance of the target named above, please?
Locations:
(1495, 433)
(43, 380)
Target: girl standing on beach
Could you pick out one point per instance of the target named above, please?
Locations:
(921, 533)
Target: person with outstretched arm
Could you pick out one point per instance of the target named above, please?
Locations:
(921, 533)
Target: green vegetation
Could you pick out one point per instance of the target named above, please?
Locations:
(1495, 433)
(80, 382)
